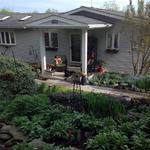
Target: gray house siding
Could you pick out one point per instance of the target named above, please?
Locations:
(121, 61)
(63, 45)
(25, 39)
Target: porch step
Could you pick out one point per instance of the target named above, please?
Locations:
(54, 75)
(74, 68)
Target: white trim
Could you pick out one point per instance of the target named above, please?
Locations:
(91, 26)
(60, 26)
(84, 51)
(42, 52)
(74, 33)
(69, 22)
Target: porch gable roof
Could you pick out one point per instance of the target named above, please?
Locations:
(68, 21)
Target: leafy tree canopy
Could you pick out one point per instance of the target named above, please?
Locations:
(111, 5)
(51, 10)
(5, 11)
(137, 27)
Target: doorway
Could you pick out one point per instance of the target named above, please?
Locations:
(75, 48)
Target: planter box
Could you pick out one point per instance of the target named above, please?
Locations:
(112, 51)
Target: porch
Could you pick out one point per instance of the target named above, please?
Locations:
(60, 35)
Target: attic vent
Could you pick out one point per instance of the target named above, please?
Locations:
(54, 21)
(4, 18)
(25, 18)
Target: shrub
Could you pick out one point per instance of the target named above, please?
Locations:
(112, 79)
(111, 140)
(140, 141)
(23, 146)
(3, 106)
(26, 146)
(101, 105)
(45, 89)
(16, 78)
(143, 83)
(26, 106)
(107, 79)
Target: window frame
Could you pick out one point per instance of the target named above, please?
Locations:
(113, 40)
(5, 43)
(50, 47)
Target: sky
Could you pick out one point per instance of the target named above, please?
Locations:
(60, 5)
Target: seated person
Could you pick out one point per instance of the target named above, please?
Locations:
(58, 60)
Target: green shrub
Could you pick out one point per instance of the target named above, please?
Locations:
(140, 141)
(26, 106)
(111, 140)
(26, 146)
(101, 105)
(16, 78)
(23, 146)
(45, 89)
(117, 80)
(3, 106)
(143, 83)
(107, 79)
(52, 147)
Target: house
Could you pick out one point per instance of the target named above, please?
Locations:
(74, 34)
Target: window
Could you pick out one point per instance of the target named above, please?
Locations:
(51, 40)
(7, 38)
(112, 41)
(54, 21)
(109, 41)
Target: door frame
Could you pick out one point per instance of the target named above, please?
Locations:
(74, 33)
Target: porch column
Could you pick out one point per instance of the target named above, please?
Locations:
(84, 50)
(43, 52)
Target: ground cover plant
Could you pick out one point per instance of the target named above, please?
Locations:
(121, 81)
(59, 124)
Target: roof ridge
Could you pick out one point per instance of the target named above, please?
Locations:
(100, 9)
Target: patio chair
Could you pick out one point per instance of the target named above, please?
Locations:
(61, 65)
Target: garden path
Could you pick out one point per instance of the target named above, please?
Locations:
(97, 89)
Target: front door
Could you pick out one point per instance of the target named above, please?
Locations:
(75, 47)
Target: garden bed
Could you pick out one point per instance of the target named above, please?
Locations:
(87, 122)
(122, 81)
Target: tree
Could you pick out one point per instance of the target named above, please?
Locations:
(5, 11)
(137, 25)
(51, 10)
(111, 5)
